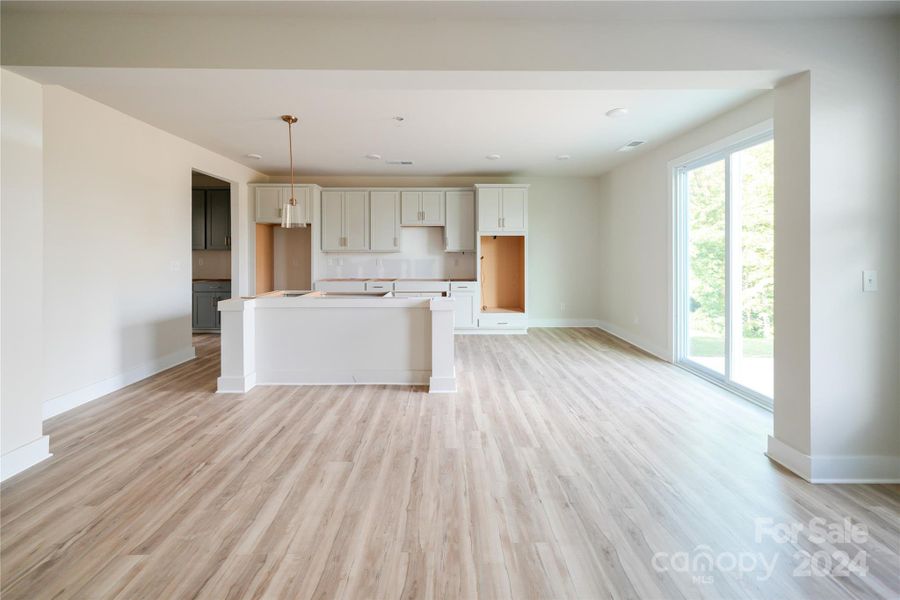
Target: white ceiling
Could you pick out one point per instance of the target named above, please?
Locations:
(452, 120)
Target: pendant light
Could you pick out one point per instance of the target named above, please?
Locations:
(290, 214)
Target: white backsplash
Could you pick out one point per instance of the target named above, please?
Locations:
(423, 257)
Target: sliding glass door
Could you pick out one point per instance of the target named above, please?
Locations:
(725, 266)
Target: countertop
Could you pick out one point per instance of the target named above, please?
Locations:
(210, 279)
(395, 279)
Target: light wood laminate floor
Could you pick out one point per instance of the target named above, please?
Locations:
(569, 465)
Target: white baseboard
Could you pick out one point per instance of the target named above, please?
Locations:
(634, 340)
(235, 385)
(353, 377)
(23, 457)
(61, 404)
(490, 331)
(563, 323)
(835, 469)
(442, 385)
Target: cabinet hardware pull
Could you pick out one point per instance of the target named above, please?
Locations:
(396, 242)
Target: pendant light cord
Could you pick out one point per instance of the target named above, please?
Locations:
(291, 154)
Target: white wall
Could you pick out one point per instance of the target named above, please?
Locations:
(117, 255)
(563, 216)
(635, 232)
(21, 238)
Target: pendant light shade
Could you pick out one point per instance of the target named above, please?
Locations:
(290, 213)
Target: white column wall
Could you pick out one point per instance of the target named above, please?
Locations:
(21, 172)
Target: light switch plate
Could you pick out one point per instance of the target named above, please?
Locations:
(870, 281)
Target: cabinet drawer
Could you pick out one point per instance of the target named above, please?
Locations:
(212, 286)
(463, 286)
(422, 286)
(341, 286)
(379, 286)
(502, 321)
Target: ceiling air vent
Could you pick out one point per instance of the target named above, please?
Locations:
(630, 146)
(399, 162)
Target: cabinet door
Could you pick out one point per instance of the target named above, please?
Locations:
(332, 221)
(205, 310)
(465, 310)
(459, 232)
(514, 213)
(384, 221)
(198, 220)
(433, 208)
(411, 208)
(356, 221)
(269, 201)
(303, 204)
(488, 209)
(218, 219)
(218, 316)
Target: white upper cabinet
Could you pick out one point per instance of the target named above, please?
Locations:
(332, 221)
(345, 221)
(489, 200)
(270, 200)
(433, 208)
(384, 221)
(422, 208)
(356, 221)
(502, 208)
(411, 208)
(459, 230)
(514, 209)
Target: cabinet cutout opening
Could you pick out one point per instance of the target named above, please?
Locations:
(293, 258)
(503, 273)
(265, 258)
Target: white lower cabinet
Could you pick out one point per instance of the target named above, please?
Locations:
(341, 286)
(466, 306)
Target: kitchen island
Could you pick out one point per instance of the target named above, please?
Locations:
(319, 338)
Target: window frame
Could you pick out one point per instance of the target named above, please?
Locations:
(722, 150)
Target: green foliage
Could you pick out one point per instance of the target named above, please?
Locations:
(706, 196)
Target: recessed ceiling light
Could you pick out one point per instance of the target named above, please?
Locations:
(617, 113)
(373, 156)
(563, 156)
(254, 156)
(493, 157)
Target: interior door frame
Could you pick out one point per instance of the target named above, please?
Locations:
(678, 169)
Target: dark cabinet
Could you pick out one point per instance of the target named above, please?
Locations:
(198, 220)
(211, 219)
(207, 295)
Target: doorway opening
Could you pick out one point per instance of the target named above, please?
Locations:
(725, 266)
(210, 249)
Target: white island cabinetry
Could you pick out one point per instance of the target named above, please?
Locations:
(358, 340)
